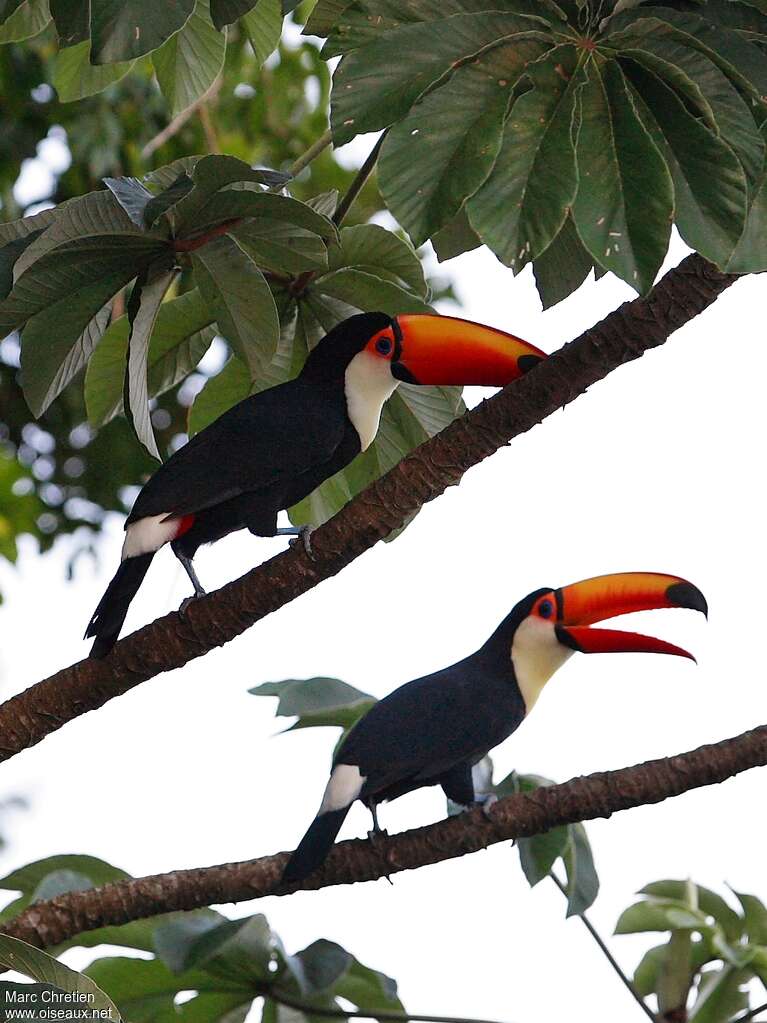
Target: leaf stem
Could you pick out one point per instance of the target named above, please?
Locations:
(356, 186)
(306, 158)
(378, 1014)
(608, 955)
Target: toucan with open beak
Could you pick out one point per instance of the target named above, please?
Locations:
(274, 448)
(434, 730)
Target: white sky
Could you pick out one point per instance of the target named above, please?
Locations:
(656, 468)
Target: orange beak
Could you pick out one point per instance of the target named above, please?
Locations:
(445, 350)
(607, 596)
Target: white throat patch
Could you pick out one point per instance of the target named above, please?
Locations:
(368, 382)
(536, 654)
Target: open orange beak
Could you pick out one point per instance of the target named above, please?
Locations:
(445, 350)
(607, 596)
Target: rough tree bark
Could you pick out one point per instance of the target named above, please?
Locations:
(170, 642)
(47, 924)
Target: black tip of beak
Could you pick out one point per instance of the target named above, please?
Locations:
(528, 362)
(687, 595)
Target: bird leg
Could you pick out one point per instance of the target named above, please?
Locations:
(377, 833)
(302, 533)
(199, 590)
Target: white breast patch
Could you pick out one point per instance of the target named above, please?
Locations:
(536, 654)
(368, 382)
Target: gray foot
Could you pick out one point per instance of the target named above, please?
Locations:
(487, 803)
(302, 533)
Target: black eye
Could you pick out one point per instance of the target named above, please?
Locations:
(545, 609)
(384, 345)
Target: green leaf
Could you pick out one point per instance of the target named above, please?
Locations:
(73, 271)
(456, 237)
(647, 976)
(10, 253)
(750, 255)
(443, 150)
(523, 204)
(658, 914)
(131, 195)
(32, 962)
(720, 996)
(377, 85)
(708, 901)
(730, 113)
(324, 16)
(143, 307)
(562, 268)
(226, 12)
(755, 915)
(368, 989)
(7, 7)
(235, 203)
(238, 951)
(582, 878)
(263, 27)
(144, 991)
(709, 183)
(58, 341)
(95, 219)
(210, 174)
(74, 77)
(375, 250)
(538, 854)
(190, 61)
(239, 298)
(740, 60)
(625, 199)
(27, 21)
(168, 198)
(280, 245)
(218, 395)
(124, 29)
(368, 292)
(71, 18)
(317, 702)
(181, 337)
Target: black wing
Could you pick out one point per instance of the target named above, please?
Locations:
(428, 726)
(277, 434)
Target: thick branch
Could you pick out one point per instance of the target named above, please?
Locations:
(47, 924)
(384, 506)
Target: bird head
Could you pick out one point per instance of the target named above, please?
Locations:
(548, 626)
(421, 349)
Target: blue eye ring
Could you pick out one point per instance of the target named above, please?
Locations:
(545, 609)
(384, 345)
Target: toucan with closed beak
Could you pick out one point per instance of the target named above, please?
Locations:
(274, 448)
(434, 730)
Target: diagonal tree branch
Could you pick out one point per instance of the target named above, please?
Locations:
(47, 924)
(384, 506)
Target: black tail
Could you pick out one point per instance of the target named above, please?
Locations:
(314, 846)
(109, 616)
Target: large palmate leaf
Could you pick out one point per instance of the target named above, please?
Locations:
(379, 84)
(524, 203)
(123, 29)
(191, 60)
(625, 200)
(666, 106)
(75, 77)
(143, 308)
(183, 332)
(445, 147)
(238, 297)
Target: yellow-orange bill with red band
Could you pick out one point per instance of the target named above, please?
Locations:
(593, 600)
(446, 350)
